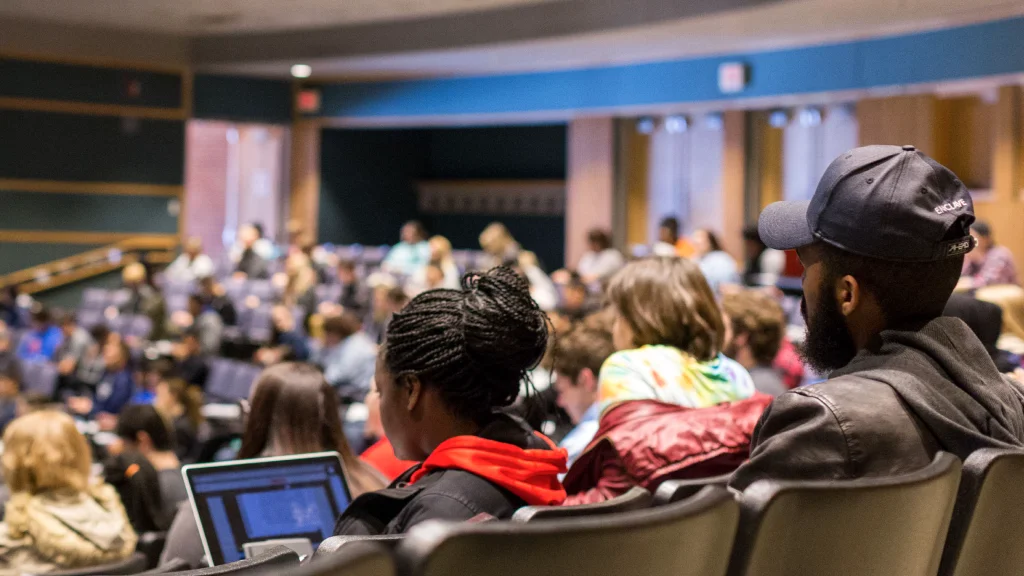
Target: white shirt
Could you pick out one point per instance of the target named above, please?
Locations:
(601, 264)
(184, 269)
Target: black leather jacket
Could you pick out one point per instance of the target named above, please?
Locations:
(912, 393)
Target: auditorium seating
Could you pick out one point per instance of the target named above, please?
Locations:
(39, 378)
(361, 558)
(332, 545)
(890, 525)
(988, 520)
(230, 380)
(636, 498)
(676, 490)
(275, 561)
(686, 538)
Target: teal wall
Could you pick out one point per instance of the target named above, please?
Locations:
(80, 145)
(368, 182)
(242, 99)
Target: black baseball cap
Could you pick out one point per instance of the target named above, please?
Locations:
(886, 202)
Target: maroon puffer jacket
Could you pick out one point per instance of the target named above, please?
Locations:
(645, 442)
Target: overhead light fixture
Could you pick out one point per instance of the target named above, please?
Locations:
(809, 116)
(302, 70)
(645, 125)
(676, 124)
(778, 119)
(714, 121)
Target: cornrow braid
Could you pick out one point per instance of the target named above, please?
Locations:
(475, 345)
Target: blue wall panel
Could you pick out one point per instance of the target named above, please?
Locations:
(971, 51)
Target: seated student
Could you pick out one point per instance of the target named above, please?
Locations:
(144, 469)
(115, 389)
(144, 299)
(287, 343)
(182, 406)
(388, 299)
(668, 395)
(904, 382)
(41, 342)
(989, 264)
(985, 319)
(355, 296)
(578, 357)
(292, 410)
(758, 324)
(348, 357)
(215, 297)
(9, 313)
(440, 271)
(601, 260)
(300, 284)
(207, 326)
(10, 392)
(670, 241)
(574, 306)
(452, 360)
(57, 519)
(411, 253)
(192, 264)
(764, 265)
(251, 253)
(718, 267)
(75, 345)
(190, 362)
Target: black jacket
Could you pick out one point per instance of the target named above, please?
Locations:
(449, 494)
(911, 394)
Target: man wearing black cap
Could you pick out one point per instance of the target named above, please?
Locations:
(882, 243)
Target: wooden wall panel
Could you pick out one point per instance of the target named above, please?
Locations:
(590, 182)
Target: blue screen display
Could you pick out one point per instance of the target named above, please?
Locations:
(268, 501)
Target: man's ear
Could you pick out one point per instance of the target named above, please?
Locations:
(849, 294)
(587, 380)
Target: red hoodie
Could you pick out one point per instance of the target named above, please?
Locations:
(530, 474)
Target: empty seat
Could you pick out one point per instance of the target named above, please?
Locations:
(139, 326)
(261, 289)
(687, 538)
(95, 299)
(220, 383)
(889, 525)
(39, 378)
(362, 558)
(132, 565)
(636, 498)
(245, 376)
(988, 520)
(676, 490)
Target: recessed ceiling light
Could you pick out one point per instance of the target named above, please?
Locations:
(302, 70)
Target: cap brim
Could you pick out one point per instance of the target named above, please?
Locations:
(783, 225)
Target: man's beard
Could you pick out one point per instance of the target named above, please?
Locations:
(827, 345)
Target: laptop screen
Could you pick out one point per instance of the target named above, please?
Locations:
(266, 499)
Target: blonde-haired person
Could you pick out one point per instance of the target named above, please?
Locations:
(499, 245)
(57, 518)
(671, 404)
(441, 259)
(300, 278)
(144, 299)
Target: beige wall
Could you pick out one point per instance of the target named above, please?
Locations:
(73, 43)
(590, 182)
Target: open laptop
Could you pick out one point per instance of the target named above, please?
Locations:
(242, 503)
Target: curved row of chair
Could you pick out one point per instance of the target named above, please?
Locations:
(924, 523)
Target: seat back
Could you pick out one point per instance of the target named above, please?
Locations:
(636, 498)
(676, 490)
(220, 384)
(333, 544)
(151, 544)
(244, 377)
(131, 565)
(39, 378)
(361, 558)
(274, 561)
(988, 520)
(889, 525)
(95, 299)
(683, 539)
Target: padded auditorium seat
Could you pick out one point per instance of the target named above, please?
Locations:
(676, 490)
(360, 558)
(636, 498)
(690, 538)
(871, 526)
(39, 378)
(334, 544)
(987, 528)
(275, 561)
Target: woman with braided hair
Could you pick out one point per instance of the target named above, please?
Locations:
(452, 360)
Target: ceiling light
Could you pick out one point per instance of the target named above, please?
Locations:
(645, 125)
(778, 119)
(809, 117)
(676, 124)
(302, 70)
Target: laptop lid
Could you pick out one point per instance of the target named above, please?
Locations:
(260, 499)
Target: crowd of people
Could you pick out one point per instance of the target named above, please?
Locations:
(480, 388)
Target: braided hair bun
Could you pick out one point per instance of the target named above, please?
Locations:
(475, 345)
